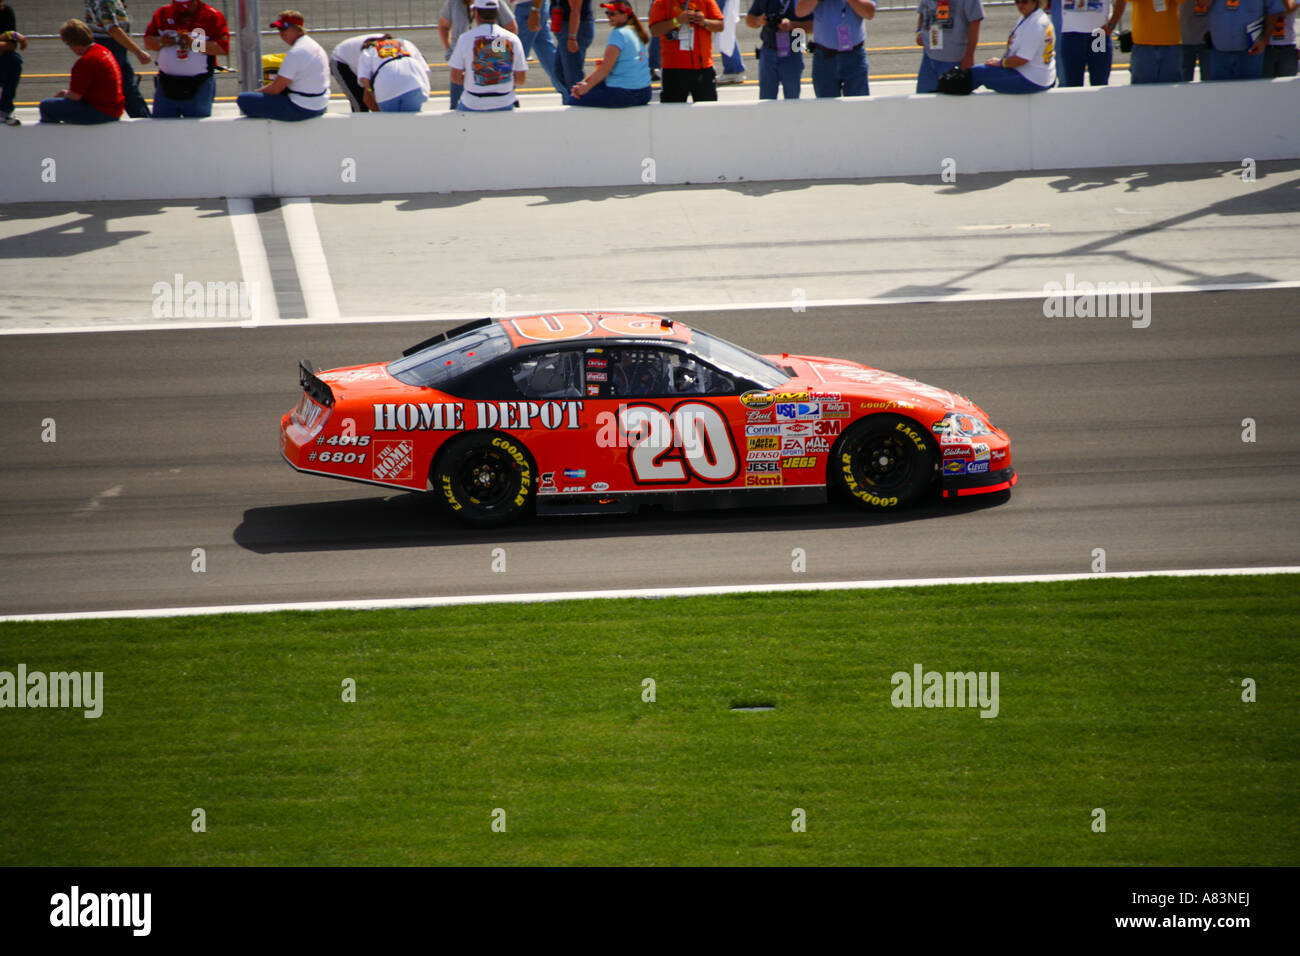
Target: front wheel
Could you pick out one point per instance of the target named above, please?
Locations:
(884, 462)
(484, 479)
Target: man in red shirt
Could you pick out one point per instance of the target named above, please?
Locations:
(684, 27)
(94, 94)
(187, 35)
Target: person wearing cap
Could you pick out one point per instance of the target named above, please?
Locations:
(684, 27)
(394, 75)
(780, 62)
(488, 62)
(301, 90)
(623, 76)
(455, 19)
(187, 36)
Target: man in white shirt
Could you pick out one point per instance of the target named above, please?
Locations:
(394, 75)
(489, 61)
(345, 60)
(301, 90)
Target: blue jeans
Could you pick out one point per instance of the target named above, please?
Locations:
(412, 101)
(77, 112)
(732, 60)
(1155, 64)
(11, 71)
(927, 77)
(273, 106)
(1280, 60)
(613, 97)
(779, 71)
(462, 108)
(456, 90)
(569, 66)
(1235, 65)
(196, 107)
(653, 52)
(1058, 30)
(136, 107)
(541, 41)
(1002, 79)
(1194, 53)
(1076, 52)
(840, 74)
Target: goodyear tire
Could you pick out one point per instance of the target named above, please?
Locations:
(485, 479)
(884, 462)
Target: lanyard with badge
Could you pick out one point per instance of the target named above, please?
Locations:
(843, 35)
(782, 37)
(942, 21)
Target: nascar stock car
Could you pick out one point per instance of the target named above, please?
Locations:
(599, 412)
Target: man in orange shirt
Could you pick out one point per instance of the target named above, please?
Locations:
(684, 28)
(1157, 55)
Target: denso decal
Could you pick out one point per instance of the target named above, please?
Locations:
(762, 429)
(548, 415)
(756, 399)
(393, 460)
(954, 467)
(762, 481)
(763, 442)
(761, 467)
(424, 417)
(835, 409)
(763, 456)
(977, 467)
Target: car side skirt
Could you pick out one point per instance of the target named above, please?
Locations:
(697, 500)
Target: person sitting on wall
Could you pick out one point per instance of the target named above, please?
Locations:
(301, 90)
(94, 93)
(622, 77)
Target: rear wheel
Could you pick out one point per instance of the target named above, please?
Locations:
(884, 462)
(485, 479)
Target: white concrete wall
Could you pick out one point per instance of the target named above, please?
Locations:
(714, 142)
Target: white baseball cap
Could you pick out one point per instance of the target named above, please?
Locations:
(486, 5)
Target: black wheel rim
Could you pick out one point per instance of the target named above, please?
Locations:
(484, 478)
(883, 463)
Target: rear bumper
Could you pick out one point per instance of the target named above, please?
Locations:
(980, 484)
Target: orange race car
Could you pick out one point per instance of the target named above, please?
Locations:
(599, 412)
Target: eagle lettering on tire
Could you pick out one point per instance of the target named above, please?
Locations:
(883, 462)
(485, 479)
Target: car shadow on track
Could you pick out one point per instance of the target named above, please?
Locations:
(412, 520)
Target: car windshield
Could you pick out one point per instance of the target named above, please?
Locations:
(733, 358)
(440, 363)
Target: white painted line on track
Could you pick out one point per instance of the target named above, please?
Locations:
(126, 325)
(549, 596)
(309, 259)
(252, 262)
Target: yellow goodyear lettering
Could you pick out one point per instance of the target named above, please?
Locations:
(876, 500)
(509, 449)
(912, 434)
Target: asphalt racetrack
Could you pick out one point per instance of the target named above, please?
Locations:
(1126, 439)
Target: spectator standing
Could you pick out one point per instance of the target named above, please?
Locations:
(94, 93)
(345, 60)
(839, 41)
(394, 75)
(1080, 21)
(488, 62)
(11, 64)
(110, 24)
(623, 76)
(948, 31)
(187, 34)
(686, 46)
(1280, 55)
(454, 20)
(780, 63)
(733, 63)
(1157, 55)
(1239, 34)
(1194, 23)
(1029, 65)
(577, 30)
(532, 26)
(301, 90)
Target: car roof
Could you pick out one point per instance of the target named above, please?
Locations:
(596, 327)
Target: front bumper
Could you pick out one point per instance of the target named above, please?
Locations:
(961, 486)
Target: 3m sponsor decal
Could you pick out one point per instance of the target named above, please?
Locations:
(790, 397)
(575, 473)
(797, 411)
(548, 415)
(977, 467)
(409, 417)
(794, 444)
(763, 467)
(816, 396)
(828, 426)
(600, 486)
(764, 442)
(763, 456)
(954, 467)
(805, 461)
(762, 481)
(393, 460)
(756, 399)
(817, 446)
(835, 409)
(762, 429)
(548, 483)
(598, 376)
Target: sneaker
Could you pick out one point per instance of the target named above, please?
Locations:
(727, 78)
(10, 120)
(654, 75)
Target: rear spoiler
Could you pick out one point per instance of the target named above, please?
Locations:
(449, 334)
(319, 391)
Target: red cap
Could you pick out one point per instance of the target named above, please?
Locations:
(618, 6)
(287, 22)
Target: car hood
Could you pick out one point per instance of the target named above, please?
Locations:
(863, 382)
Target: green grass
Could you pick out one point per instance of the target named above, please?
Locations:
(1119, 694)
